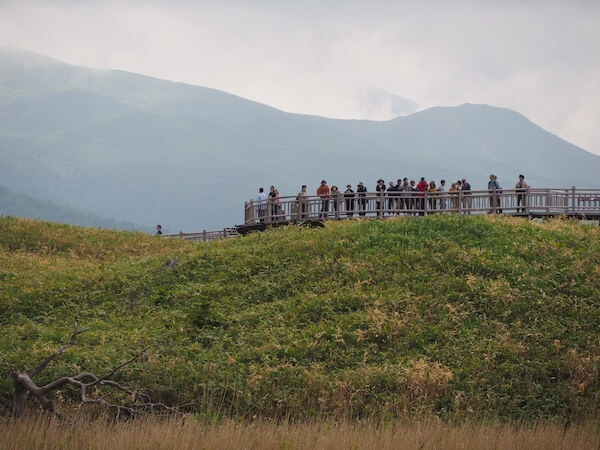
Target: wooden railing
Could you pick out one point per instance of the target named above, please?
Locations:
(536, 202)
(204, 235)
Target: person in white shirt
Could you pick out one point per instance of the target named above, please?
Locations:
(261, 203)
(442, 190)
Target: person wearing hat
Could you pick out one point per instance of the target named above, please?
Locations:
(323, 192)
(521, 188)
(349, 196)
(362, 200)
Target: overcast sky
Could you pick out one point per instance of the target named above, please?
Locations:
(344, 59)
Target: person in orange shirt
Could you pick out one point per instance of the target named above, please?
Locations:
(323, 192)
(422, 187)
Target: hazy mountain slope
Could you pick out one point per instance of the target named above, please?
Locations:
(14, 204)
(149, 151)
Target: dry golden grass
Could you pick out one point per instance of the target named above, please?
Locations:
(189, 434)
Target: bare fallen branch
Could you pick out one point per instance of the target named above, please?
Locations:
(34, 372)
(120, 366)
(25, 386)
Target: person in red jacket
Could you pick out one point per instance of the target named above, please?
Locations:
(323, 192)
(422, 187)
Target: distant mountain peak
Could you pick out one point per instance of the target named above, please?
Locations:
(378, 104)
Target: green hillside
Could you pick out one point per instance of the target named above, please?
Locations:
(453, 316)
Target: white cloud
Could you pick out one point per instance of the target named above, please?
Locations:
(537, 57)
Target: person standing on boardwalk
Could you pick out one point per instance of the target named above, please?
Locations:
(432, 192)
(349, 196)
(261, 203)
(407, 200)
(302, 200)
(272, 195)
(454, 192)
(442, 194)
(413, 196)
(391, 197)
(380, 188)
(521, 188)
(323, 192)
(398, 201)
(335, 198)
(362, 200)
(277, 203)
(467, 196)
(158, 230)
(494, 191)
(422, 188)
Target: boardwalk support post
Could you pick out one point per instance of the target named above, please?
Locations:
(249, 216)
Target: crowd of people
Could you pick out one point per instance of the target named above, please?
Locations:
(439, 197)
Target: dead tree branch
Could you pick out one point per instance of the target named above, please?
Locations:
(25, 386)
(34, 372)
(120, 366)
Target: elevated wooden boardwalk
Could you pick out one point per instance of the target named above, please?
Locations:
(313, 210)
(544, 202)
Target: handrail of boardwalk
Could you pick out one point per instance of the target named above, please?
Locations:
(204, 235)
(535, 202)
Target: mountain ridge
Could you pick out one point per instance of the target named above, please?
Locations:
(20, 205)
(155, 151)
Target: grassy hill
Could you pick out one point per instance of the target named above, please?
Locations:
(453, 316)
